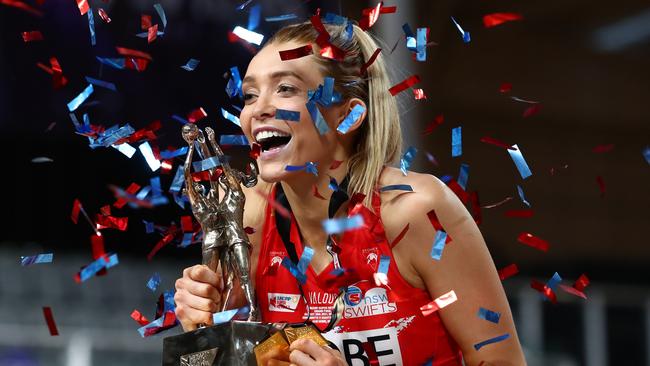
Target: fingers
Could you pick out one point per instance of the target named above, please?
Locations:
(197, 296)
(202, 273)
(309, 347)
(276, 356)
(300, 358)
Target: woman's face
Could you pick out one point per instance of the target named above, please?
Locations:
(272, 84)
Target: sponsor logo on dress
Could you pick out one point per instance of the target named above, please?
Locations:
(384, 341)
(285, 303)
(373, 302)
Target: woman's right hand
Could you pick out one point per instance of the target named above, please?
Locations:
(197, 296)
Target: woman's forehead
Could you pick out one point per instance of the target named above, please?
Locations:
(267, 62)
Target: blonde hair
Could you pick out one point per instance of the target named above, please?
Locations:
(379, 141)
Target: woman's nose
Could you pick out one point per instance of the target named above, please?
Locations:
(264, 109)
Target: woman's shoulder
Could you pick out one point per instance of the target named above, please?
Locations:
(427, 191)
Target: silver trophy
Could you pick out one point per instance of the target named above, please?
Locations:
(225, 248)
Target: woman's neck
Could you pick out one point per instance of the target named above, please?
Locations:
(308, 209)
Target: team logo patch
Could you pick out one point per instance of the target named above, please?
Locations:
(285, 303)
(373, 302)
(353, 296)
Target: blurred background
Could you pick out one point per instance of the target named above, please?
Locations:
(583, 63)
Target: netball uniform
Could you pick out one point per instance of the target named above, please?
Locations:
(389, 319)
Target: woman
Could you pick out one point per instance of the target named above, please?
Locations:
(385, 317)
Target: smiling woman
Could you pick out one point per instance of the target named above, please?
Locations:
(386, 271)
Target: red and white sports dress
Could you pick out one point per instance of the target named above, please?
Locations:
(390, 319)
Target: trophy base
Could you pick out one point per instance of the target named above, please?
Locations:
(230, 343)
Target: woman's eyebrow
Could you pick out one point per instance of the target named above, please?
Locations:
(274, 75)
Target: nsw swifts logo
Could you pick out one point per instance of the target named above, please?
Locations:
(353, 296)
(285, 303)
(373, 302)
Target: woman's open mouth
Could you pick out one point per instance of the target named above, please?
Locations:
(272, 142)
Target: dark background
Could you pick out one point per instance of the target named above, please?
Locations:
(585, 62)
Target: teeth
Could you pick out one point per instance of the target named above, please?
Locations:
(266, 134)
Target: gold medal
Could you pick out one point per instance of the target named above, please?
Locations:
(286, 336)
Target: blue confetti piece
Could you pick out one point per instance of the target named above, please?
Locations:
(155, 186)
(206, 164)
(243, 5)
(117, 63)
(327, 91)
(317, 118)
(147, 152)
(384, 263)
(144, 192)
(154, 324)
(554, 281)
(408, 32)
(233, 88)
(351, 118)
(235, 140)
(161, 14)
(340, 225)
(520, 162)
(180, 200)
(102, 83)
(438, 244)
(311, 168)
(421, 44)
(230, 117)
(146, 34)
(463, 174)
(333, 185)
(281, 18)
(521, 195)
(305, 259)
(248, 35)
(349, 31)
(180, 119)
(331, 18)
(646, 154)
(491, 340)
(301, 277)
(169, 305)
(396, 187)
(190, 65)
(223, 316)
(466, 36)
(456, 142)
(446, 178)
(407, 159)
(173, 154)
(91, 27)
(489, 315)
(154, 282)
(111, 135)
(37, 259)
(97, 266)
(79, 99)
(285, 115)
(148, 226)
(187, 240)
(254, 17)
(178, 181)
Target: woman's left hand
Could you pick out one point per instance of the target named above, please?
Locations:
(305, 352)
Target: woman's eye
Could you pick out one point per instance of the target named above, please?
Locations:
(286, 88)
(248, 96)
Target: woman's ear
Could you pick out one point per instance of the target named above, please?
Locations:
(352, 116)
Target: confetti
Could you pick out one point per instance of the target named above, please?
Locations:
(335, 164)
(169, 236)
(190, 65)
(298, 270)
(233, 88)
(433, 125)
(196, 115)
(463, 175)
(58, 80)
(79, 99)
(206, 164)
(276, 206)
(170, 154)
(532, 110)
(23, 6)
(371, 15)
(505, 87)
(254, 17)
(476, 208)
(500, 338)
(281, 18)
(340, 225)
(520, 162)
(317, 118)
(83, 6)
(230, 117)
(327, 49)
(102, 83)
(161, 14)
(103, 262)
(223, 316)
(148, 226)
(76, 208)
(439, 303)
(646, 154)
(521, 195)
(138, 317)
(494, 19)
(438, 244)
(315, 192)
(498, 203)
(248, 35)
(489, 315)
(544, 290)
(533, 241)
(399, 237)
(371, 60)
(42, 159)
(49, 320)
(508, 271)
(147, 152)
(355, 114)
(466, 37)
(396, 187)
(154, 282)
(554, 281)
(456, 142)
(32, 36)
(405, 84)
(295, 53)
(256, 150)
(603, 148)
(578, 287)
(285, 115)
(371, 352)
(91, 27)
(111, 222)
(36, 259)
(102, 14)
(244, 4)
(519, 213)
(422, 34)
(333, 185)
(419, 94)
(167, 321)
(601, 185)
(133, 53)
(309, 167)
(233, 140)
(493, 141)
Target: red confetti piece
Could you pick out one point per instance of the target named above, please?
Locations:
(32, 36)
(433, 125)
(494, 19)
(458, 190)
(164, 241)
(433, 218)
(22, 6)
(104, 16)
(603, 148)
(493, 141)
(196, 115)
(145, 21)
(97, 246)
(138, 317)
(407, 83)
(58, 80)
(439, 303)
(601, 185)
(83, 6)
(256, 150)
(400, 236)
(276, 206)
(370, 61)
(498, 203)
(335, 164)
(419, 94)
(544, 290)
(295, 53)
(316, 193)
(132, 189)
(128, 52)
(76, 208)
(476, 208)
(508, 271)
(369, 16)
(111, 222)
(49, 319)
(533, 241)
(186, 224)
(105, 210)
(249, 230)
(505, 87)
(138, 64)
(166, 166)
(327, 49)
(519, 213)
(581, 282)
(573, 291)
(369, 348)
(532, 110)
(152, 33)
